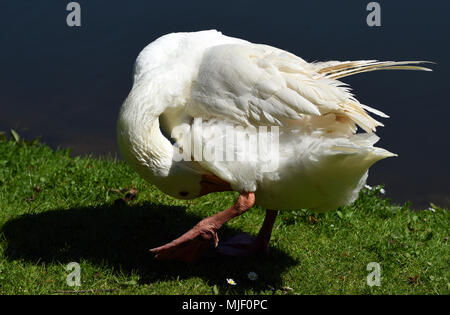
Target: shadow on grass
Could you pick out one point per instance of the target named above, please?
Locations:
(120, 236)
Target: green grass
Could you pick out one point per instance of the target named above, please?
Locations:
(56, 209)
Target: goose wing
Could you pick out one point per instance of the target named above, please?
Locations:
(262, 85)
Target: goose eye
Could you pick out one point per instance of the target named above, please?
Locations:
(183, 193)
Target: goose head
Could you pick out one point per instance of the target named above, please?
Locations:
(163, 73)
(141, 142)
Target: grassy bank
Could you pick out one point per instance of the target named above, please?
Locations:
(56, 209)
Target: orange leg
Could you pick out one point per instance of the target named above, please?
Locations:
(263, 238)
(245, 244)
(191, 245)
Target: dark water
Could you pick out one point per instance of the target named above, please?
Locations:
(67, 84)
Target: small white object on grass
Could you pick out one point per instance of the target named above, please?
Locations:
(231, 281)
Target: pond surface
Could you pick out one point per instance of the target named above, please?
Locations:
(66, 84)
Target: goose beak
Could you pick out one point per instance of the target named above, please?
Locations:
(212, 183)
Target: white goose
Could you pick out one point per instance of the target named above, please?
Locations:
(190, 86)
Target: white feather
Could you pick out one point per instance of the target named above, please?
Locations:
(205, 83)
